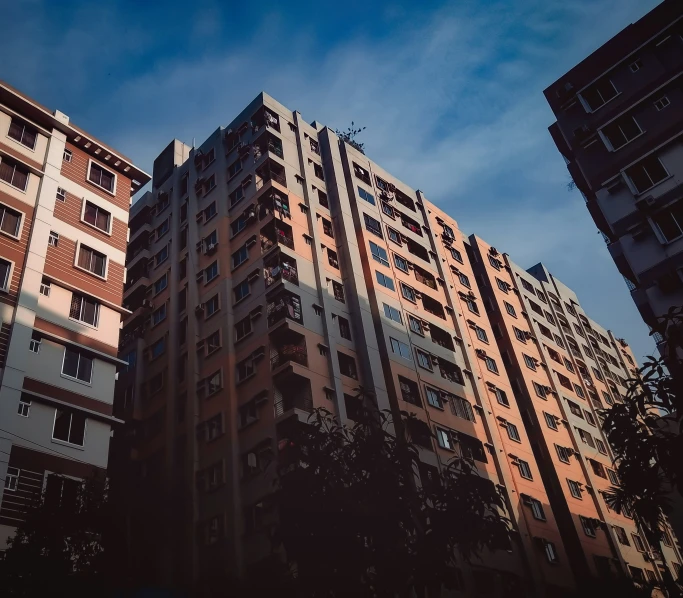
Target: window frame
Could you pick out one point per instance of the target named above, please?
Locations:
(92, 163)
(20, 221)
(110, 217)
(79, 246)
(75, 378)
(71, 412)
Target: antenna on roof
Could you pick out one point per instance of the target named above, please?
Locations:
(193, 143)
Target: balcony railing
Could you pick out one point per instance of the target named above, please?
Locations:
(280, 237)
(286, 306)
(286, 353)
(284, 270)
(303, 402)
(430, 282)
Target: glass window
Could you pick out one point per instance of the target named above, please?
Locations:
(408, 293)
(400, 348)
(84, 309)
(99, 218)
(392, 313)
(101, 177)
(525, 470)
(550, 420)
(373, 225)
(69, 426)
(379, 254)
(10, 221)
(77, 365)
(366, 196)
(92, 261)
(401, 263)
(384, 280)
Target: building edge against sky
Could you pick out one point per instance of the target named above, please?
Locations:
(619, 121)
(273, 270)
(64, 200)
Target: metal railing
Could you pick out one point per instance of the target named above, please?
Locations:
(295, 353)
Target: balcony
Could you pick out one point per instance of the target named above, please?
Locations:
(267, 142)
(411, 225)
(280, 266)
(274, 203)
(424, 277)
(265, 118)
(270, 171)
(287, 347)
(295, 396)
(284, 305)
(274, 233)
(140, 253)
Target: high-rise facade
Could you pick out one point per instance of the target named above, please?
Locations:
(64, 199)
(275, 269)
(619, 122)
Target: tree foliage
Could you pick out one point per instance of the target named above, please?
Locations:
(349, 136)
(644, 431)
(59, 546)
(355, 521)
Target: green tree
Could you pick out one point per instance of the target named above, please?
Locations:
(354, 520)
(59, 546)
(644, 431)
(349, 136)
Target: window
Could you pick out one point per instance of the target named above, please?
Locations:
(502, 285)
(541, 391)
(388, 210)
(366, 196)
(462, 408)
(34, 344)
(245, 369)
(392, 313)
(537, 509)
(471, 305)
(400, 349)
(599, 94)
(214, 383)
(494, 262)
(401, 263)
(10, 221)
(598, 468)
(433, 397)
(601, 446)
(99, 218)
(379, 254)
(344, 328)
(620, 132)
(410, 391)
(69, 426)
(53, 239)
(13, 173)
(408, 293)
(586, 438)
(589, 417)
(530, 362)
(239, 225)
(214, 427)
(23, 133)
(612, 476)
(525, 470)
(608, 399)
(501, 397)
(456, 255)
(620, 533)
(211, 306)
(12, 479)
(157, 349)
(101, 177)
(550, 421)
(211, 272)
(242, 328)
(563, 453)
(647, 173)
(5, 268)
(464, 280)
(549, 317)
(510, 309)
(520, 335)
(240, 256)
(24, 407)
(394, 236)
(236, 196)
(242, 290)
(443, 438)
(347, 365)
(579, 391)
(424, 359)
(661, 103)
(588, 526)
(234, 168)
(373, 225)
(513, 432)
(575, 409)
(415, 325)
(338, 289)
(670, 221)
(92, 261)
(481, 334)
(161, 284)
(45, 287)
(159, 315)
(527, 286)
(575, 489)
(491, 365)
(84, 309)
(61, 194)
(77, 365)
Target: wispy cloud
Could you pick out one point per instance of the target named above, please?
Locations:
(451, 98)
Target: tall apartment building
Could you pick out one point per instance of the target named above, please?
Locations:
(619, 123)
(275, 269)
(64, 199)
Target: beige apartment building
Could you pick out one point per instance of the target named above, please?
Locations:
(64, 199)
(275, 269)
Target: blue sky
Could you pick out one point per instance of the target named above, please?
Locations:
(450, 93)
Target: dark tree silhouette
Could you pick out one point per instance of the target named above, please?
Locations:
(356, 522)
(644, 431)
(349, 136)
(59, 547)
